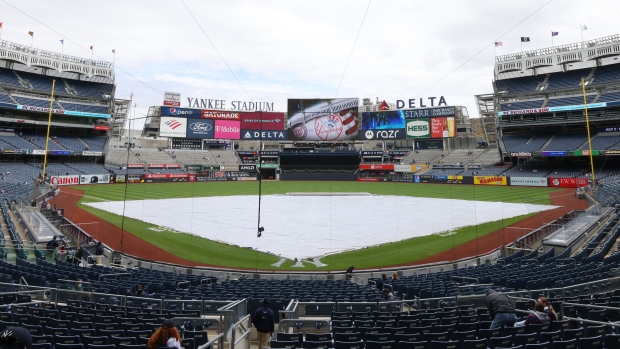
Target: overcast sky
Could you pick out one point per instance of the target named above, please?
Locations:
(299, 49)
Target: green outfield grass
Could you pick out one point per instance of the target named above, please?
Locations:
(210, 252)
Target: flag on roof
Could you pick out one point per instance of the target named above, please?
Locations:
(91, 48)
(584, 27)
(62, 41)
(498, 43)
(31, 33)
(114, 51)
(525, 39)
(555, 33)
(0, 24)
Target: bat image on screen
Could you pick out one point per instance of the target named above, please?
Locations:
(326, 121)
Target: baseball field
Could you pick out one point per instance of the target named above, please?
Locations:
(153, 242)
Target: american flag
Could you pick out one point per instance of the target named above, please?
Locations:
(498, 43)
(555, 33)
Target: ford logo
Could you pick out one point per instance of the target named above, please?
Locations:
(200, 126)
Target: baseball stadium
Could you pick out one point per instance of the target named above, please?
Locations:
(359, 224)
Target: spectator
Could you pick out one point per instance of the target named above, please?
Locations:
(15, 338)
(537, 317)
(166, 336)
(380, 282)
(98, 253)
(264, 321)
(141, 292)
(395, 276)
(548, 308)
(51, 247)
(79, 254)
(500, 308)
(78, 285)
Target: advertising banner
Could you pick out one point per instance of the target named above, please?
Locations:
(200, 128)
(323, 119)
(163, 166)
(60, 152)
(225, 129)
(553, 153)
(173, 127)
(443, 127)
(166, 177)
(403, 168)
(91, 153)
(220, 115)
(35, 152)
(132, 178)
(521, 154)
(135, 165)
(568, 182)
(182, 112)
(65, 180)
(265, 135)
(172, 99)
(418, 168)
(247, 168)
(490, 180)
(262, 121)
(529, 181)
(428, 144)
(383, 120)
(95, 179)
(586, 153)
(428, 112)
(13, 151)
(612, 152)
(102, 128)
(186, 143)
(377, 167)
(382, 134)
(419, 128)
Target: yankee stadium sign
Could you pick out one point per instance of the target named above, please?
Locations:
(205, 103)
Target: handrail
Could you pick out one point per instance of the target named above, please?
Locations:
(220, 342)
(183, 282)
(117, 274)
(291, 308)
(246, 332)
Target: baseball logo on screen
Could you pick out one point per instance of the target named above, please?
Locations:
(300, 131)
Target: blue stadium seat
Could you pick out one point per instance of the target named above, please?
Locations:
(317, 344)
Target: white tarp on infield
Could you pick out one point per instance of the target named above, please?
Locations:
(311, 226)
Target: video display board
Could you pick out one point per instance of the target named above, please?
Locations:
(326, 119)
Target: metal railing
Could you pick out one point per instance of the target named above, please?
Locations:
(240, 334)
(231, 314)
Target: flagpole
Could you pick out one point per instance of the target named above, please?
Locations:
(552, 40)
(49, 124)
(585, 106)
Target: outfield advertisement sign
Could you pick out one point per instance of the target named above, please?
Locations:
(90, 153)
(490, 180)
(377, 167)
(200, 128)
(567, 182)
(135, 165)
(428, 144)
(529, 181)
(173, 127)
(65, 180)
(226, 129)
(36, 152)
(54, 111)
(554, 109)
(264, 135)
(95, 179)
(166, 177)
(262, 121)
(163, 166)
(419, 128)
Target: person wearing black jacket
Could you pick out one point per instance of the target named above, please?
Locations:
(264, 321)
(500, 308)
